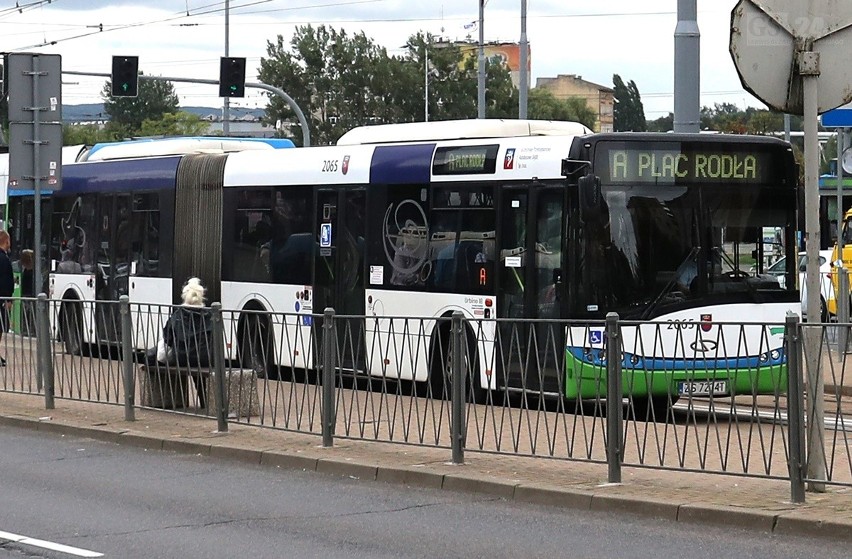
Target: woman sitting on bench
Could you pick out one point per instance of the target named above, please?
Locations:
(187, 337)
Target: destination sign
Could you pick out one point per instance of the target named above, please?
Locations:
(681, 165)
(465, 160)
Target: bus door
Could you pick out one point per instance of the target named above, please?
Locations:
(113, 263)
(339, 268)
(530, 287)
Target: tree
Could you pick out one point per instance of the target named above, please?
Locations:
(4, 111)
(180, 123)
(338, 81)
(543, 105)
(87, 134)
(156, 98)
(341, 82)
(629, 114)
(662, 124)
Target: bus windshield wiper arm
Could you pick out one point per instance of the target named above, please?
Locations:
(667, 289)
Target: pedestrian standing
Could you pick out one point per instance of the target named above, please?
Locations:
(27, 292)
(7, 284)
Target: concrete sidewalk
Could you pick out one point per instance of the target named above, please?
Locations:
(758, 504)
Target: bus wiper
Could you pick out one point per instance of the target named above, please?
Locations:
(689, 259)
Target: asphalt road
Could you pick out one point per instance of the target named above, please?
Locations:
(126, 502)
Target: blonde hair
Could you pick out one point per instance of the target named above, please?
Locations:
(27, 259)
(193, 293)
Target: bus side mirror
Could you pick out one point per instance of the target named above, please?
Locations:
(590, 193)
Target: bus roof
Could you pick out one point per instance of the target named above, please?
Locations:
(515, 158)
(153, 147)
(459, 130)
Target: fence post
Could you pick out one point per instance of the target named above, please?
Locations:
(329, 337)
(842, 313)
(457, 397)
(614, 412)
(44, 352)
(219, 368)
(127, 359)
(795, 405)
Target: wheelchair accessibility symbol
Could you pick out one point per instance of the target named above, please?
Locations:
(596, 337)
(325, 235)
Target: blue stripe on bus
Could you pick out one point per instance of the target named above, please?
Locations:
(276, 143)
(154, 173)
(632, 361)
(409, 164)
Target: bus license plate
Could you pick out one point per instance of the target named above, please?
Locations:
(703, 388)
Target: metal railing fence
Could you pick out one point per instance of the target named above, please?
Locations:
(542, 388)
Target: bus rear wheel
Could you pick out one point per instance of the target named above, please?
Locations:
(256, 345)
(71, 327)
(441, 374)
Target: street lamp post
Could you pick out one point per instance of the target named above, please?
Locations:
(226, 116)
(480, 95)
(426, 80)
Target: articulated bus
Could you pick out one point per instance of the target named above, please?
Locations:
(513, 221)
(109, 230)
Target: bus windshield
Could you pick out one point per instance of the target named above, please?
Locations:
(662, 247)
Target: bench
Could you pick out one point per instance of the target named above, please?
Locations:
(168, 387)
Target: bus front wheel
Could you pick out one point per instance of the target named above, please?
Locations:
(653, 409)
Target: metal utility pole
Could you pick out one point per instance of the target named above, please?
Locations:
(426, 80)
(480, 86)
(687, 77)
(226, 107)
(523, 87)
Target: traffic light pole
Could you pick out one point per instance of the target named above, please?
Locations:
(306, 132)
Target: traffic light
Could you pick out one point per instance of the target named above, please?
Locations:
(232, 77)
(125, 76)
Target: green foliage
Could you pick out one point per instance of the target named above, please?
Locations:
(127, 114)
(341, 81)
(541, 104)
(4, 112)
(180, 123)
(662, 124)
(628, 113)
(87, 134)
(338, 81)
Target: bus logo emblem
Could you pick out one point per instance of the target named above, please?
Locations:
(706, 320)
(345, 167)
(509, 159)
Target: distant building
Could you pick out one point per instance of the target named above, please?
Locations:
(599, 98)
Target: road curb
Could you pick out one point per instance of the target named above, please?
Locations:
(805, 521)
(708, 513)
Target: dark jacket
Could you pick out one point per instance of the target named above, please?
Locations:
(189, 336)
(7, 279)
(27, 283)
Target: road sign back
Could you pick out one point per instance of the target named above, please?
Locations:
(35, 120)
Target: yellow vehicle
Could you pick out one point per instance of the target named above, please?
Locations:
(846, 257)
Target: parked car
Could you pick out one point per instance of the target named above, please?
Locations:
(779, 269)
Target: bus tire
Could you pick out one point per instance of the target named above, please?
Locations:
(71, 328)
(441, 372)
(256, 345)
(653, 409)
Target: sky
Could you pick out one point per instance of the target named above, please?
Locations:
(185, 38)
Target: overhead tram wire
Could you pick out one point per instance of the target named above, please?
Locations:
(25, 8)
